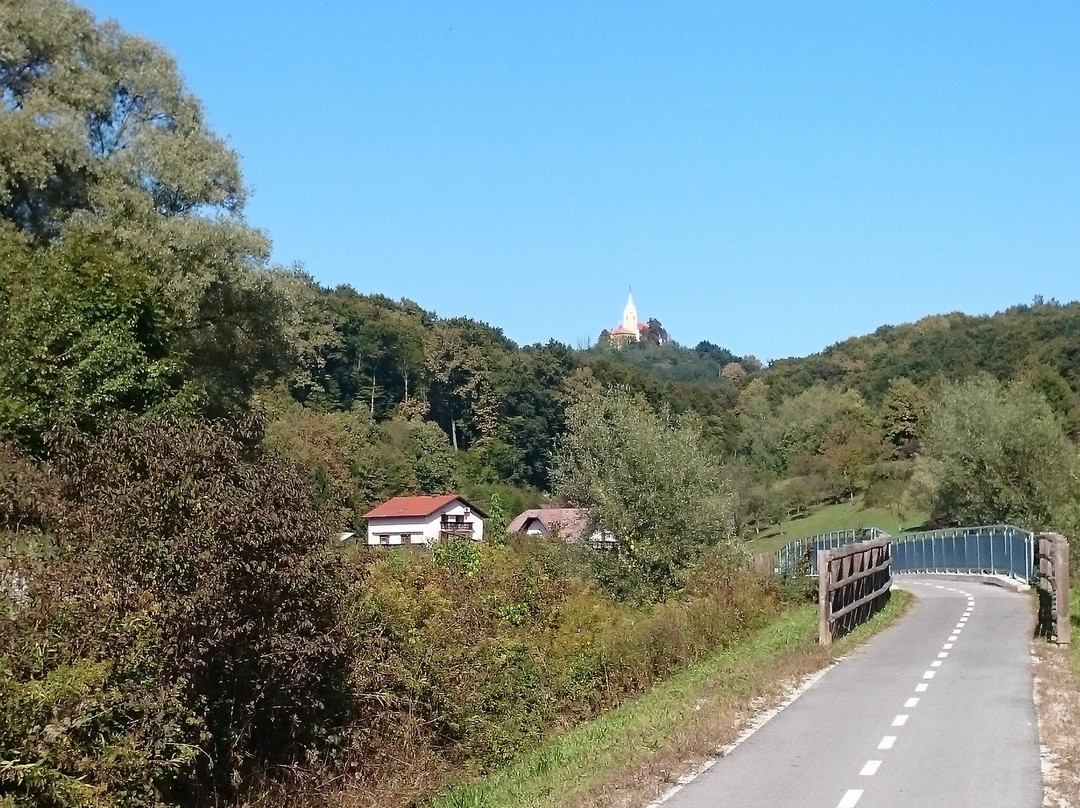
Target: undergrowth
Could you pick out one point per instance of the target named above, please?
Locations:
(600, 755)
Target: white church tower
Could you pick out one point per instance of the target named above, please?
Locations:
(629, 317)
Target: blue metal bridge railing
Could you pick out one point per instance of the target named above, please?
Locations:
(987, 550)
(803, 552)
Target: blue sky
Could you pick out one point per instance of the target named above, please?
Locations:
(770, 176)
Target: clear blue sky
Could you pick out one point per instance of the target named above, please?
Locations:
(770, 176)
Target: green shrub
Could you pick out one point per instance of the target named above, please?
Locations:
(192, 630)
(487, 663)
(192, 607)
(460, 555)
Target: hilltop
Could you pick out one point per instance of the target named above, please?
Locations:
(945, 347)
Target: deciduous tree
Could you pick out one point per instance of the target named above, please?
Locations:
(999, 455)
(649, 484)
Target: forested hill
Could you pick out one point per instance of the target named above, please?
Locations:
(1025, 339)
(1038, 339)
(670, 361)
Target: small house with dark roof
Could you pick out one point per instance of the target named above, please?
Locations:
(424, 520)
(569, 524)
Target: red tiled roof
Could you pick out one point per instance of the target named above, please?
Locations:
(416, 506)
(620, 330)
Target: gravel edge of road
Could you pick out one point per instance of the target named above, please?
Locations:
(1057, 703)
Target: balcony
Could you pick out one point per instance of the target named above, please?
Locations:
(456, 527)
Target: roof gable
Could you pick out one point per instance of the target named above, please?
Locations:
(418, 507)
(569, 523)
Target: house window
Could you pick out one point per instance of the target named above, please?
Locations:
(406, 538)
(384, 538)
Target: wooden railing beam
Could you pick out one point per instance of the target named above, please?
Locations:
(851, 581)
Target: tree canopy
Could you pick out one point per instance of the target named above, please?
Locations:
(648, 483)
(998, 454)
(98, 122)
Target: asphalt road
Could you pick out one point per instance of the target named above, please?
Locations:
(935, 711)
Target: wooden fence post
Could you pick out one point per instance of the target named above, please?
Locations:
(1061, 589)
(824, 598)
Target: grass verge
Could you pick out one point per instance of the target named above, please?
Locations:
(631, 754)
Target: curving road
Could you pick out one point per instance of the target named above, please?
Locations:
(935, 711)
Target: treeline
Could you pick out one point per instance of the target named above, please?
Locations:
(1037, 341)
(130, 286)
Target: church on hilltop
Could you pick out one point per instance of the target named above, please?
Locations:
(630, 330)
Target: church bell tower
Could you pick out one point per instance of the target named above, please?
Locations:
(629, 316)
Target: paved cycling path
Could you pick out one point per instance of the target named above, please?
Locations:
(935, 711)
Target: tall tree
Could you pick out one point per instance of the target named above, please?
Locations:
(903, 410)
(463, 398)
(101, 142)
(998, 454)
(648, 482)
(97, 121)
(82, 336)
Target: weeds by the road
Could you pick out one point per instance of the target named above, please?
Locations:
(636, 751)
(1074, 618)
(1057, 698)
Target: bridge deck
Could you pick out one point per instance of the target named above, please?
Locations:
(964, 729)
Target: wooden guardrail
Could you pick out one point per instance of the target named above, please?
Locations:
(853, 583)
(1052, 566)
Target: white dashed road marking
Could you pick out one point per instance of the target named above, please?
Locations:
(850, 798)
(870, 768)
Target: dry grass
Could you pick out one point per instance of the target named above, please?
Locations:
(721, 713)
(1057, 699)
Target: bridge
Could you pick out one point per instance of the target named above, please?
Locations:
(935, 711)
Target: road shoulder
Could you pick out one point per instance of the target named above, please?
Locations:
(1057, 700)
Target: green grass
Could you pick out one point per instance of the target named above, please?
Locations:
(848, 515)
(624, 738)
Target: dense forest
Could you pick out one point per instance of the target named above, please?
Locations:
(185, 428)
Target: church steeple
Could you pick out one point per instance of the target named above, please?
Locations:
(629, 315)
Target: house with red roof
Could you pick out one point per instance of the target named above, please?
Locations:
(424, 520)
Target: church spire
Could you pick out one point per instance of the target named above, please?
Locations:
(630, 316)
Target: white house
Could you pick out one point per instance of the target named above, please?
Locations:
(424, 520)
